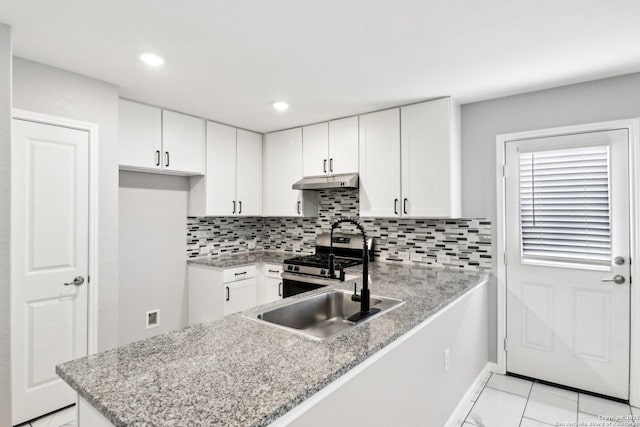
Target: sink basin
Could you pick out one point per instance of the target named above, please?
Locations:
(325, 315)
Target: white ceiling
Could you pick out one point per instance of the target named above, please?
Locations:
(228, 60)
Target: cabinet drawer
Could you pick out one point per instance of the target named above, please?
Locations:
(239, 273)
(273, 270)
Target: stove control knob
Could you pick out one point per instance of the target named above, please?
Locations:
(322, 272)
(296, 268)
(289, 267)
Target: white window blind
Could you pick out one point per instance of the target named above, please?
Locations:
(564, 205)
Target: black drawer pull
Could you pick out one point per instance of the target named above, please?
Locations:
(273, 271)
(228, 294)
(280, 289)
(240, 274)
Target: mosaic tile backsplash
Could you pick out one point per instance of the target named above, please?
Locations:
(458, 243)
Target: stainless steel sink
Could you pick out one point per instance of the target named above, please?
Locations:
(323, 316)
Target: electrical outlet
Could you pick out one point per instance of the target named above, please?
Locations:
(447, 359)
(153, 318)
(403, 255)
(251, 244)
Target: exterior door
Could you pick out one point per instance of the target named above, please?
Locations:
(568, 293)
(49, 248)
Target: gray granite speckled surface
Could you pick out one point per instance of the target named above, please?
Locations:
(243, 258)
(238, 372)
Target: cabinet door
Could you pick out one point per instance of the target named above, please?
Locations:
(315, 149)
(183, 143)
(140, 136)
(272, 289)
(221, 170)
(239, 296)
(282, 167)
(343, 145)
(427, 159)
(249, 173)
(380, 164)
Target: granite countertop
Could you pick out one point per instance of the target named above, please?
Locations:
(242, 258)
(238, 372)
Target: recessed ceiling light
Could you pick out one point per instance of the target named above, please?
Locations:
(280, 106)
(151, 59)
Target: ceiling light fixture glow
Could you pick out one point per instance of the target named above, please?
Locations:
(280, 106)
(151, 59)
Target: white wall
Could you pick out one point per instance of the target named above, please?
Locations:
(48, 90)
(153, 244)
(5, 224)
(600, 100)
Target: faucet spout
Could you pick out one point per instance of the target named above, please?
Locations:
(365, 295)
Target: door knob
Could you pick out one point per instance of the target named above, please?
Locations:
(617, 279)
(77, 281)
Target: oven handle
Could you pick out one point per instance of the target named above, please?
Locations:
(308, 279)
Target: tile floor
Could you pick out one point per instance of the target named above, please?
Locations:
(506, 401)
(502, 401)
(64, 418)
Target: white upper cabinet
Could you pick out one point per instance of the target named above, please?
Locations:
(249, 173)
(155, 140)
(232, 184)
(315, 149)
(220, 176)
(282, 167)
(330, 148)
(183, 143)
(380, 164)
(416, 175)
(343, 145)
(140, 136)
(430, 149)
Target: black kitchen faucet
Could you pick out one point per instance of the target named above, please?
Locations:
(364, 297)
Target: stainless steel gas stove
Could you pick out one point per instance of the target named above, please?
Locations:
(307, 272)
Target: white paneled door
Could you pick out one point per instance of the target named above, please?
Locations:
(568, 283)
(49, 241)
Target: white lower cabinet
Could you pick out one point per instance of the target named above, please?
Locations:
(272, 289)
(239, 295)
(215, 292)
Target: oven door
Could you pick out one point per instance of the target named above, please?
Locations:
(294, 284)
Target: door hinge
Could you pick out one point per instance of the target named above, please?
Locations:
(505, 344)
(88, 279)
(504, 171)
(504, 258)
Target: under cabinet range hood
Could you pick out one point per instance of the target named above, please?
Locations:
(324, 182)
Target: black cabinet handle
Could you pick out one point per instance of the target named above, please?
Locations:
(404, 206)
(298, 207)
(280, 289)
(157, 157)
(240, 210)
(324, 165)
(240, 274)
(395, 206)
(166, 153)
(234, 207)
(273, 271)
(228, 294)
(331, 165)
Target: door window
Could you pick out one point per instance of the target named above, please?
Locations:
(565, 206)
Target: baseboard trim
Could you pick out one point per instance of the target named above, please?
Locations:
(464, 406)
